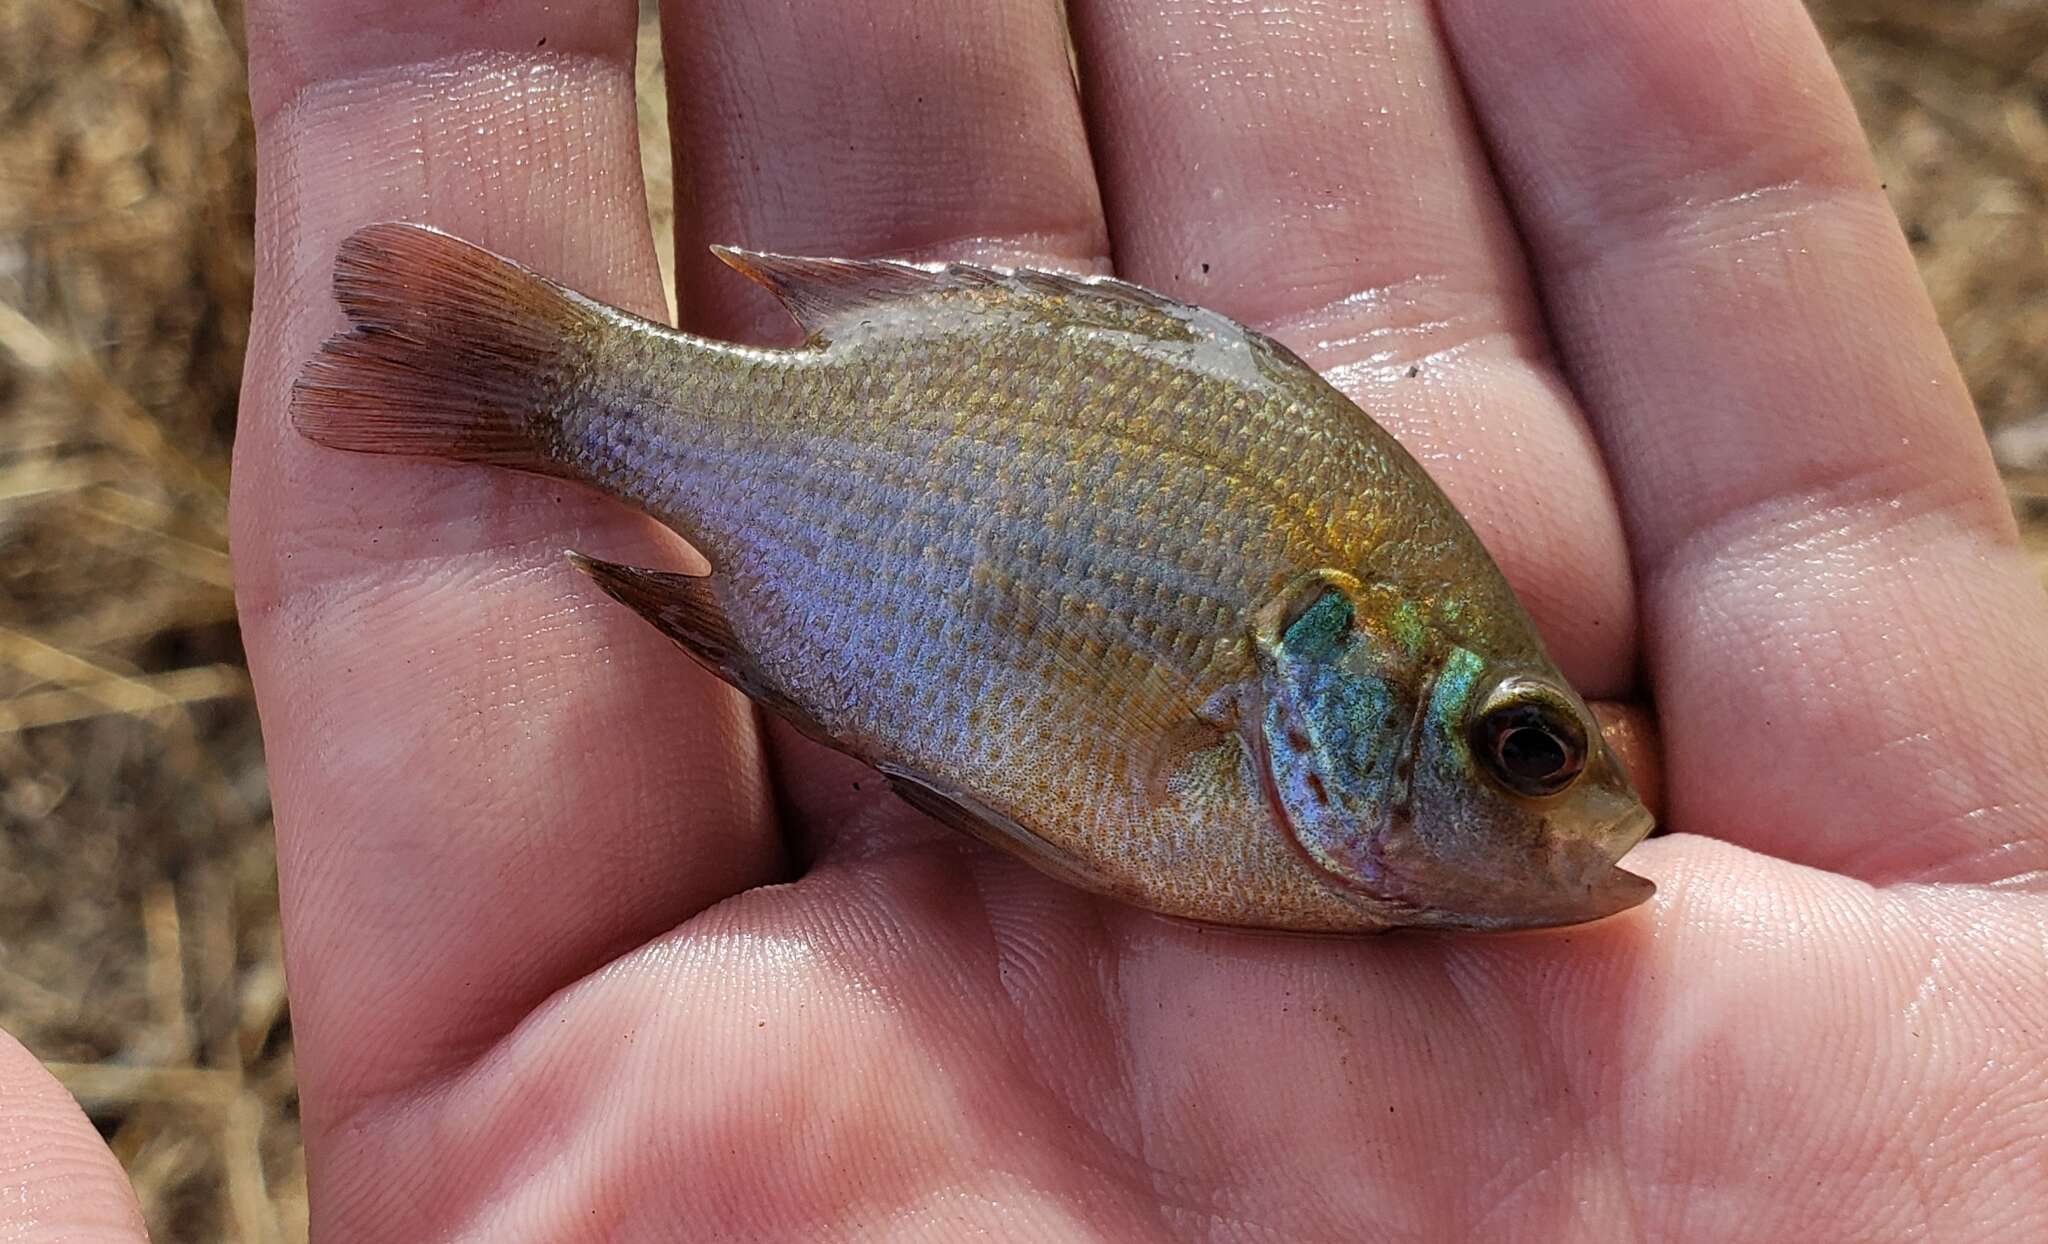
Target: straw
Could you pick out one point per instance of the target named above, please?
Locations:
(139, 943)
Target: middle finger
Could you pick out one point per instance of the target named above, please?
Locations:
(939, 129)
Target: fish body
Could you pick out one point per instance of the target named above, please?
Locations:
(1110, 580)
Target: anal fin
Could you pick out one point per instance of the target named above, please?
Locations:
(959, 810)
(687, 609)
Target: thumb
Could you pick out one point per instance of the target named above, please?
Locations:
(58, 1180)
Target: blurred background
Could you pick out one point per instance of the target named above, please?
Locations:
(138, 928)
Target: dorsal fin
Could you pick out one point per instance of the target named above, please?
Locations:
(825, 295)
(820, 294)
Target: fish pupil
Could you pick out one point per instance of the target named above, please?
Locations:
(1532, 748)
(1532, 753)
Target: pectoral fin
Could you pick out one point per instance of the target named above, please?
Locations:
(688, 609)
(1109, 677)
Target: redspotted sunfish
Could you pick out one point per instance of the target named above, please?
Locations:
(1108, 580)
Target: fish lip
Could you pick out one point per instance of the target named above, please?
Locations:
(1595, 890)
(1632, 829)
(1616, 891)
(1601, 887)
(1613, 894)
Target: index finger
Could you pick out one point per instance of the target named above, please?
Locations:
(489, 780)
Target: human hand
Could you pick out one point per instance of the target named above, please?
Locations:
(1617, 270)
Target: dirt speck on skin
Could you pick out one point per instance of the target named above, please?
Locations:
(138, 928)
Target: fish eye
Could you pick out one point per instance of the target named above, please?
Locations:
(1530, 738)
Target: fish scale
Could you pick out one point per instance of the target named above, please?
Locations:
(931, 435)
(1105, 579)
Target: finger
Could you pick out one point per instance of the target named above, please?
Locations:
(931, 128)
(57, 1179)
(1314, 170)
(934, 128)
(488, 778)
(1631, 732)
(1839, 626)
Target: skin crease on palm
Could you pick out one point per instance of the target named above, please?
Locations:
(576, 953)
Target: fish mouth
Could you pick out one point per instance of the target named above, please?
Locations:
(1609, 894)
(1606, 895)
(1577, 876)
(1584, 882)
(1622, 836)
(1589, 882)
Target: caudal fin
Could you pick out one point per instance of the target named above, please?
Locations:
(451, 352)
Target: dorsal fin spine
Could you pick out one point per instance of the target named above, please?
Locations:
(824, 294)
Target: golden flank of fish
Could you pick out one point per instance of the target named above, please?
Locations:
(1106, 579)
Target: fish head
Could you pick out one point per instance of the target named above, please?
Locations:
(1438, 783)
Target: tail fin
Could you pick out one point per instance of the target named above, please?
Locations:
(451, 352)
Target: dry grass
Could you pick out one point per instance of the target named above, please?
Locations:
(138, 930)
(138, 934)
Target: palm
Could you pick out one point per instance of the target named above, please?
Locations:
(542, 985)
(930, 1037)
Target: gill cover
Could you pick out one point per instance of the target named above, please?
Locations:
(1462, 788)
(1334, 722)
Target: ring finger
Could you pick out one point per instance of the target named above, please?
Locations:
(1314, 171)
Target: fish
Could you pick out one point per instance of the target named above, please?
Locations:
(1106, 579)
